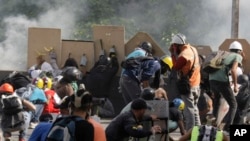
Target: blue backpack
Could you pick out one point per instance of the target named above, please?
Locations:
(63, 129)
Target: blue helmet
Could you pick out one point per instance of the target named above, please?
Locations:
(179, 103)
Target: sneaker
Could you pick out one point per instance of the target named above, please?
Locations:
(33, 125)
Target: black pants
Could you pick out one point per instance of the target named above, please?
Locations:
(223, 89)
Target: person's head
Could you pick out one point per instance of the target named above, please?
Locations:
(71, 74)
(179, 103)
(47, 82)
(148, 94)
(38, 82)
(139, 107)
(46, 118)
(40, 59)
(166, 63)
(64, 106)
(178, 40)
(70, 62)
(161, 94)
(242, 79)
(236, 47)
(6, 88)
(81, 101)
(147, 46)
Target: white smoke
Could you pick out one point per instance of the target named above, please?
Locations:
(13, 50)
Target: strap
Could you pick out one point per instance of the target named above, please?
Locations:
(192, 68)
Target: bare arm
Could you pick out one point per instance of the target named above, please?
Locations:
(234, 76)
(225, 137)
(181, 126)
(186, 136)
(29, 105)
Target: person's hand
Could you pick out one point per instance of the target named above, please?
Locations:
(156, 129)
(236, 89)
(154, 117)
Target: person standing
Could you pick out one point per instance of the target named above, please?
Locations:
(219, 83)
(186, 63)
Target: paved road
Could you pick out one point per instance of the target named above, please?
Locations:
(104, 122)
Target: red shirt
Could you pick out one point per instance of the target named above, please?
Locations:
(49, 106)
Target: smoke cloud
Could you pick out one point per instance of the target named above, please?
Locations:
(208, 24)
(13, 50)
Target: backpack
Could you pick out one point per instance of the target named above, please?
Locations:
(11, 104)
(63, 129)
(17, 80)
(214, 61)
(134, 62)
(13, 116)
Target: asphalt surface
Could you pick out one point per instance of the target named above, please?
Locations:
(175, 135)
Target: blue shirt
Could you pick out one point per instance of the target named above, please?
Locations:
(38, 94)
(40, 132)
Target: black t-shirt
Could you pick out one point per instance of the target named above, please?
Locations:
(84, 131)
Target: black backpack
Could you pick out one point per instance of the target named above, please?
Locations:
(17, 80)
(13, 117)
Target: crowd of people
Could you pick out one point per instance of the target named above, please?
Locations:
(52, 99)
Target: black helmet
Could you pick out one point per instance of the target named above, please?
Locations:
(71, 74)
(242, 79)
(146, 46)
(148, 94)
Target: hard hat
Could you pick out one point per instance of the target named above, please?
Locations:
(236, 45)
(167, 60)
(47, 82)
(179, 103)
(179, 39)
(146, 46)
(71, 74)
(6, 88)
(148, 94)
(82, 99)
(38, 82)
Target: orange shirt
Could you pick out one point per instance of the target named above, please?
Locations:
(99, 132)
(187, 55)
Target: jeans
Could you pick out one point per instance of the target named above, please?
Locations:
(223, 89)
(22, 133)
(130, 89)
(36, 114)
(27, 117)
(191, 111)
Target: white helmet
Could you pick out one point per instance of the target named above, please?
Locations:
(179, 39)
(235, 45)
